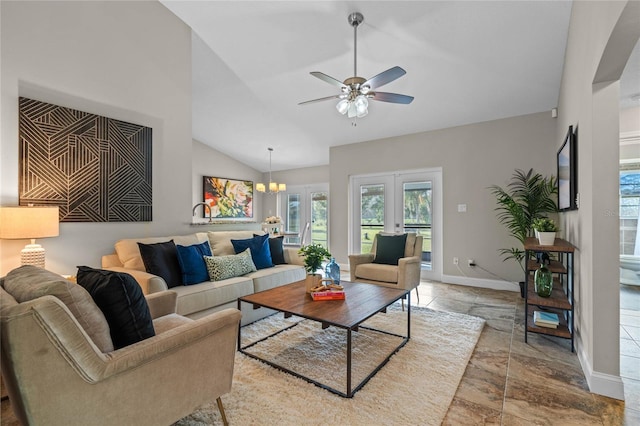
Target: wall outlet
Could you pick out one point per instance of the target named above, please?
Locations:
(455, 261)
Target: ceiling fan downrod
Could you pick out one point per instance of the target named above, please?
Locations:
(355, 19)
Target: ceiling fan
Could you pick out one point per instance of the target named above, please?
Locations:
(356, 91)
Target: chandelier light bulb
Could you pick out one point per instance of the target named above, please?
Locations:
(273, 187)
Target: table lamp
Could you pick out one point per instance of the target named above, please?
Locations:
(30, 222)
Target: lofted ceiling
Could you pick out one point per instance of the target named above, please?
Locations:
(466, 62)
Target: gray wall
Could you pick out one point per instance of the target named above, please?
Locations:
(472, 157)
(599, 45)
(93, 56)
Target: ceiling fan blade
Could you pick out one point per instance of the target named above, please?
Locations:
(392, 97)
(321, 99)
(322, 76)
(385, 77)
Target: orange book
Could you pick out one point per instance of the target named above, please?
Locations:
(328, 295)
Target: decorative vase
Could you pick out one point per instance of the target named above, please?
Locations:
(312, 281)
(332, 271)
(543, 280)
(546, 238)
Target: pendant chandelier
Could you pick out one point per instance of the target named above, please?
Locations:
(274, 187)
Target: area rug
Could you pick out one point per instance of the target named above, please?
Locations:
(416, 386)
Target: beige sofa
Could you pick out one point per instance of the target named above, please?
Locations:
(195, 301)
(57, 374)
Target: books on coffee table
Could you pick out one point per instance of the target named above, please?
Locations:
(546, 319)
(328, 295)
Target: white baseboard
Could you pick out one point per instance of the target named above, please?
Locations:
(481, 282)
(600, 383)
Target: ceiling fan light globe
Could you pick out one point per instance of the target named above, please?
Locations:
(365, 89)
(362, 113)
(343, 106)
(353, 110)
(362, 102)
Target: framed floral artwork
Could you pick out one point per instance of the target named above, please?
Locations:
(228, 198)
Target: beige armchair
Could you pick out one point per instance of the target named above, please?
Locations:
(405, 275)
(56, 375)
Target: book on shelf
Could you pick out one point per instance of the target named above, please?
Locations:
(546, 319)
(328, 295)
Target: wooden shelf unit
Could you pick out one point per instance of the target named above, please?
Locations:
(561, 300)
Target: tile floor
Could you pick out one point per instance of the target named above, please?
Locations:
(508, 382)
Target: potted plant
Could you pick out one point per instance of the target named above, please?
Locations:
(526, 197)
(545, 230)
(314, 255)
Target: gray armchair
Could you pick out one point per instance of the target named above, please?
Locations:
(56, 374)
(405, 275)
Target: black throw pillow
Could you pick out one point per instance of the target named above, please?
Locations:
(389, 249)
(120, 299)
(161, 259)
(277, 249)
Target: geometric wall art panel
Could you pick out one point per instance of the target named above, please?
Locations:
(94, 168)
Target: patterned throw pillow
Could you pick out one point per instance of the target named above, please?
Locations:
(235, 265)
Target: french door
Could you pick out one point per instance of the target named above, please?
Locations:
(400, 202)
(305, 212)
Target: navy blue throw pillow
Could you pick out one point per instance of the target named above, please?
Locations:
(120, 299)
(191, 259)
(161, 259)
(259, 247)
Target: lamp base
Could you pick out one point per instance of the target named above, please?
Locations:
(32, 254)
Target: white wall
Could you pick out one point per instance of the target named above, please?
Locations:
(124, 60)
(472, 157)
(629, 120)
(598, 47)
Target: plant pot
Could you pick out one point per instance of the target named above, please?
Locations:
(312, 281)
(546, 238)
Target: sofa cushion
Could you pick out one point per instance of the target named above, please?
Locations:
(209, 294)
(161, 259)
(276, 247)
(266, 279)
(220, 241)
(260, 252)
(191, 259)
(377, 272)
(390, 248)
(129, 253)
(30, 282)
(234, 265)
(120, 298)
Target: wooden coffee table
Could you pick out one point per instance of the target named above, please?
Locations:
(362, 302)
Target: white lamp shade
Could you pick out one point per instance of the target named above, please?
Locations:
(17, 223)
(282, 187)
(273, 187)
(260, 187)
